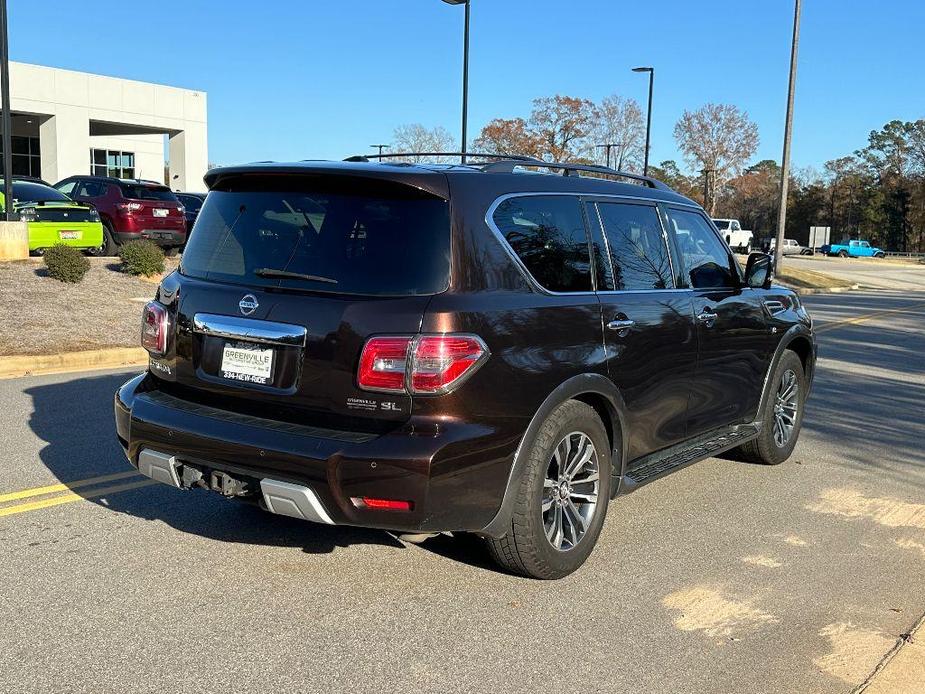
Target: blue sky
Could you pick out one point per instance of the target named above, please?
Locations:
(324, 78)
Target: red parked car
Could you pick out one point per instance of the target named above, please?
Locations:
(130, 209)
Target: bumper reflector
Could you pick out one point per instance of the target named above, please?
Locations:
(382, 504)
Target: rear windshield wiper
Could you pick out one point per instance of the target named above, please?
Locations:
(285, 274)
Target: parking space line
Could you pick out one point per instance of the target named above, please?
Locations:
(65, 486)
(71, 497)
(869, 316)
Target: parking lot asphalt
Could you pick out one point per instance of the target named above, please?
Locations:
(724, 577)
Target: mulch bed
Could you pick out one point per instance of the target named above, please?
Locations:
(40, 315)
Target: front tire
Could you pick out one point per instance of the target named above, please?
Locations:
(561, 499)
(782, 415)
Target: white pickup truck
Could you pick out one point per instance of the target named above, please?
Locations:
(737, 238)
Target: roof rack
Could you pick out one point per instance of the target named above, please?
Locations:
(399, 155)
(506, 163)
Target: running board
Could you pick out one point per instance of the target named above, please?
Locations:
(660, 463)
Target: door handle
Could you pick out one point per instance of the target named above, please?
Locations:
(622, 327)
(707, 317)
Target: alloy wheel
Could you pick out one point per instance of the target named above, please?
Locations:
(570, 491)
(786, 404)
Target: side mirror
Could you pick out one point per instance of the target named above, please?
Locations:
(759, 271)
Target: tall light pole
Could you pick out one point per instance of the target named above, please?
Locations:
(381, 147)
(7, 117)
(788, 126)
(465, 89)
(651, 71)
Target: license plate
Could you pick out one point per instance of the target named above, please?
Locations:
(69, 234)
(160, 212)
(247, 364)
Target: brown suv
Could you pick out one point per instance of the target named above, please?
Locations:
(475, 348)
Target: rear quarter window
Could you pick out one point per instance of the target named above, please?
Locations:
(548, 234)
(379, 243)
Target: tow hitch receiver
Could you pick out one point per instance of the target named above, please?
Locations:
(227, 485)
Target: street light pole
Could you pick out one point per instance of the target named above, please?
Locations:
(651, 71)
(788, 126)
(465, 88)
(7, 119)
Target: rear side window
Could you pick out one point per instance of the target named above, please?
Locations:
(637, 246)
(705, 256)
(89, 189)
(548, 235)
(386, 243)
(140, 192)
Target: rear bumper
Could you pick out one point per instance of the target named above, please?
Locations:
(48, 234)
(453, 473)
(162, 237)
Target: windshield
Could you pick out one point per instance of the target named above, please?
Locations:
(721, 224)
(26, 191)
(395, 245)
(142, 192)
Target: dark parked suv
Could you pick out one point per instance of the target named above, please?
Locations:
(131, 209)
(479, 348)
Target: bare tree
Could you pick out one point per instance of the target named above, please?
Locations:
(414, 137)
(620, 121)
(718, 138)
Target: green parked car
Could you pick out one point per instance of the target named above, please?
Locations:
(53, 217)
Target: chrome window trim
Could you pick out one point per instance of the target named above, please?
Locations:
(234, 328)
(534, 284)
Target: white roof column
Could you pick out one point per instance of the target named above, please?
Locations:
(188, 158)
(65, 143)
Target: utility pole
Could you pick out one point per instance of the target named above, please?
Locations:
(708, 175)
(381, 147)
(788, 126)
(607, 147)
(7, 116)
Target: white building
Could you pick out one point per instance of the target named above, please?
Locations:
(67, 123)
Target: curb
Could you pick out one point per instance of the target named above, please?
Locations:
(34, 365)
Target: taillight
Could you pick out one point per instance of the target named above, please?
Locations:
(129, 207)
(438, 363)
(383, 364)
(154, 322)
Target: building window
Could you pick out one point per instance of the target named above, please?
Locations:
(108, 162)
(27, 158)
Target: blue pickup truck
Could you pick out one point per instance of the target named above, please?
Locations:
(853, 249)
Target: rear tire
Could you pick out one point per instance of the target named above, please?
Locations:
(171, 251)
(843, 254)
(108, 247)
(568, 473)
(782, 415)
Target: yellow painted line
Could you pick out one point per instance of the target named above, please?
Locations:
(71, 497)
(868, 316)
(65, 486)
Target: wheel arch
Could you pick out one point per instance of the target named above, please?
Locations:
(596, 391)
(799, 339)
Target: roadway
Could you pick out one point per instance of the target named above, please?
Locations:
(724, 577)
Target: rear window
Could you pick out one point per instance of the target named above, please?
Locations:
(25, 191)
(142, 192)
(386, 244)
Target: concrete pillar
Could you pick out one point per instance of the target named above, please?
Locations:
(188, 153)
(65, 142)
